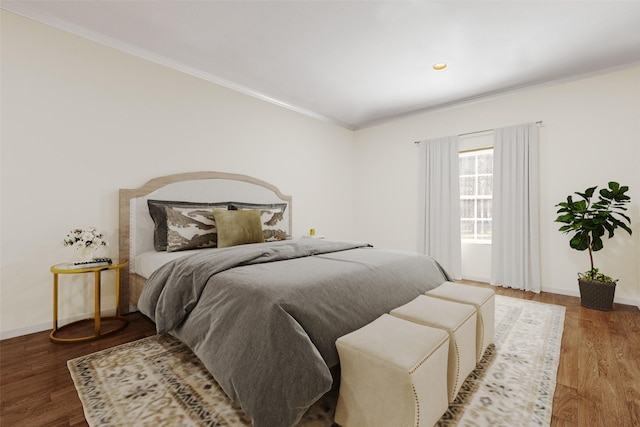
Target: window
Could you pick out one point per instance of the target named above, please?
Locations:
(476, 190)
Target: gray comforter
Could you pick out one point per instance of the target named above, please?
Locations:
(266, 330)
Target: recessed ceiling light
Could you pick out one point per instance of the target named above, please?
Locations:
(439, 66)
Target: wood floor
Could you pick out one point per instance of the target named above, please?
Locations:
(598, 377)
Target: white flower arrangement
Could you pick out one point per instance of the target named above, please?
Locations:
(85, 239)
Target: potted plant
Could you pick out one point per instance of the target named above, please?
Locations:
(589, 221)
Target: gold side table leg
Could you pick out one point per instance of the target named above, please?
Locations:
(97, 314)
(118, 293)
(55, 302)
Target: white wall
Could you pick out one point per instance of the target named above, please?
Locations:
(81, 120)
(476, 261)
(590, 135)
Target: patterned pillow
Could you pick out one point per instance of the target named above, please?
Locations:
(190, 228)
(275, 224)
(238, 227)
(159, 216)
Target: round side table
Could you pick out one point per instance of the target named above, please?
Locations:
(121, 322)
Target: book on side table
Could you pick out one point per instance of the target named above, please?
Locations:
(95, 262)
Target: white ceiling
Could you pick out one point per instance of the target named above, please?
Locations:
(358, 63)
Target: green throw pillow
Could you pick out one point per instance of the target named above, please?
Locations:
(238, 227)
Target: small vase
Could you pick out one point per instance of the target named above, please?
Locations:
(86, 254)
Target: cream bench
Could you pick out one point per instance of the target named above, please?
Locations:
(482, 299)
(459, 321)
(393, 373)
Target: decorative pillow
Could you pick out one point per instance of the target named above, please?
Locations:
(238, 227)
(190, 228)
(275, 225)
(159, 216)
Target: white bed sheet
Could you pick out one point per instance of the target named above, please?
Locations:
(148, 262)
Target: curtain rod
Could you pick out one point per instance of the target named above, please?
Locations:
(539, 122)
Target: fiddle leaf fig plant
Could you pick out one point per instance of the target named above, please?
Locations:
(589, 220)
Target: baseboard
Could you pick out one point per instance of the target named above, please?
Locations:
(13, 333)
(576, 293)
(475, 278)
(570, 293)
(561, 291)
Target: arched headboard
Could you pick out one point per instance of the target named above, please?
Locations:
(137, 227)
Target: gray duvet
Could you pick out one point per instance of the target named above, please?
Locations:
(263, 318)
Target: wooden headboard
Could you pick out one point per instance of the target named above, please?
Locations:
(136, 225)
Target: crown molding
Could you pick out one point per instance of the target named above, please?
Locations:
(23, 9)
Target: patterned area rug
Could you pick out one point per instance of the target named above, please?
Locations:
(157, 381)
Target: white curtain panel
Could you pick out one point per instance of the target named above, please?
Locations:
(439, 203)
(515, 257)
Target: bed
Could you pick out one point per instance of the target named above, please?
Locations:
(262, 311)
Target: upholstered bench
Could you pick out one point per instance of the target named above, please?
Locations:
(482, 299)
(459, 320)
(393, 373)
